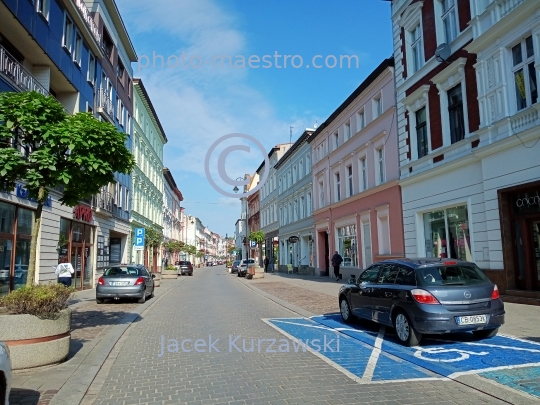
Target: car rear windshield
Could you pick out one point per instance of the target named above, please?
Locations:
(450, 275)
(236, 262)
(123, 271)
(184, 263)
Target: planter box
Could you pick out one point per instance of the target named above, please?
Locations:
(169, 274)
(35, 342)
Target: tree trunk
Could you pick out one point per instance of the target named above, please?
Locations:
(35, 234)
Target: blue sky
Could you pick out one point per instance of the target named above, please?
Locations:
(198, 105)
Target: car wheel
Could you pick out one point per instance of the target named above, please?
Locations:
(152, 295)
(99, 300)
(345, 310)
(190, 274)
(3, 389)
(405, 331)
(143, 299)
(238, 274)
(485, 333)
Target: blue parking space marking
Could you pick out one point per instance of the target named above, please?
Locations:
(373, 356)
(525, 379)
(350, 354)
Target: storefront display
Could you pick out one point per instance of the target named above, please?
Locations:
(15, 236)
(347, 246)
(77, 238)
(446, 233)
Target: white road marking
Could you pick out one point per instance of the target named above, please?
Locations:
(492, 345)
(375, 353)
(486, 370)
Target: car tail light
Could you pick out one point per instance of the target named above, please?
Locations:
(423, 297)
(495, 293)
(139, 281)
(191, 267)
(101, 281)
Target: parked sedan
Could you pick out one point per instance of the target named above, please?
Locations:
(5, 373)
(243, 267)
(184, 267)
(125, 281)
(234, 266)
(424, 296)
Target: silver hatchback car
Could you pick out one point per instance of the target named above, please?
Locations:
(424, 296)
(125, 281)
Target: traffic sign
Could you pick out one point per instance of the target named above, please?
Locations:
(139, 239)
(253, 243)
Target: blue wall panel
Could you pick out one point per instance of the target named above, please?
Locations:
(12, 5)
(26, 14)
(41, 31)
(5, 86)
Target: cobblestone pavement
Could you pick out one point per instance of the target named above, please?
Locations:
(89, 320)
(155, 364)
(315, 302)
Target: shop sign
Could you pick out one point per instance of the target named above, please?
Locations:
(293, 239)
(23, 193)
(83, 213)
(527, 202)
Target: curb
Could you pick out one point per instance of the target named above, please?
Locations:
(76, 376)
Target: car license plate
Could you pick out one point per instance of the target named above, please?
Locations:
(471, 320)
(119, 283)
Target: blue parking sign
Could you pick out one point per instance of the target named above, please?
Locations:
(139, 239)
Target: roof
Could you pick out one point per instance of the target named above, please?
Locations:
(172, 184)
(122, 33)
(295, 146)
(274, 149)
(387, 63)
(148, 103)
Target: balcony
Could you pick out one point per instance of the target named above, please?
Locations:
(17, 75)
(104, 105)
(103, 203)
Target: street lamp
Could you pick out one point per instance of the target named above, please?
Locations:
(235, 189)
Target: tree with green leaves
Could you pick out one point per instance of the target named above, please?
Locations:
(257, 236)
(153, 237)
(44, 148)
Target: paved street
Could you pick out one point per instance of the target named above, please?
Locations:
(214, 305)
(129, 353)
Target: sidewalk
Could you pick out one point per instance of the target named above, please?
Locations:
(95, 329)
(318, 295)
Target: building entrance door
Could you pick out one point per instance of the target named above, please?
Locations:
(77, 263)
(535, 253)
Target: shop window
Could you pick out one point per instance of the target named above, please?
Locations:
(347, 245)
(447, 234)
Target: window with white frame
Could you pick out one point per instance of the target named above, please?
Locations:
(336, 141)
(455, 114)
(383, 231)
(380, 165)
(309, 207)
(347, 131)
(302, 207)
(321, 194)
(349, 181)
(301, 169)
(524, 73)
(42, 7)
(67, 41)
(421, 133)
(290, 213)
(377, 106)
(91, 74)
(347, 245)
(363, 174)
(360, 119)
(337, 191)
(449, 19)
(128, 124)
(417, 48)
(78, 49)
(295, 210)
(308, 163)
(279, 186)
(281, 216)
(294, 174)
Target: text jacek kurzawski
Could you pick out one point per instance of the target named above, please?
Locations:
(237, 344)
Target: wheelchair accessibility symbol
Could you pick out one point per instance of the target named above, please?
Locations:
(444, 355)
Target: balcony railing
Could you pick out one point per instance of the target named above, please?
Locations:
(103, 201)
(11, 69)
(104, 103)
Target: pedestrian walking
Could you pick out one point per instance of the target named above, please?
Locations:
(336, 262)
(266, 263)
(64, 271)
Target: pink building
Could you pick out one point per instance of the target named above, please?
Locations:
(356, 192)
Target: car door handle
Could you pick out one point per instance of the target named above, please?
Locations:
(388, 294)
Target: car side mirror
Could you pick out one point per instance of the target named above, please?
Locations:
(352, 280)
(153, 276)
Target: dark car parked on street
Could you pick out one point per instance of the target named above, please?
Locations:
(184, 267)
(125, 281)
(424, 296)
(234, 266)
